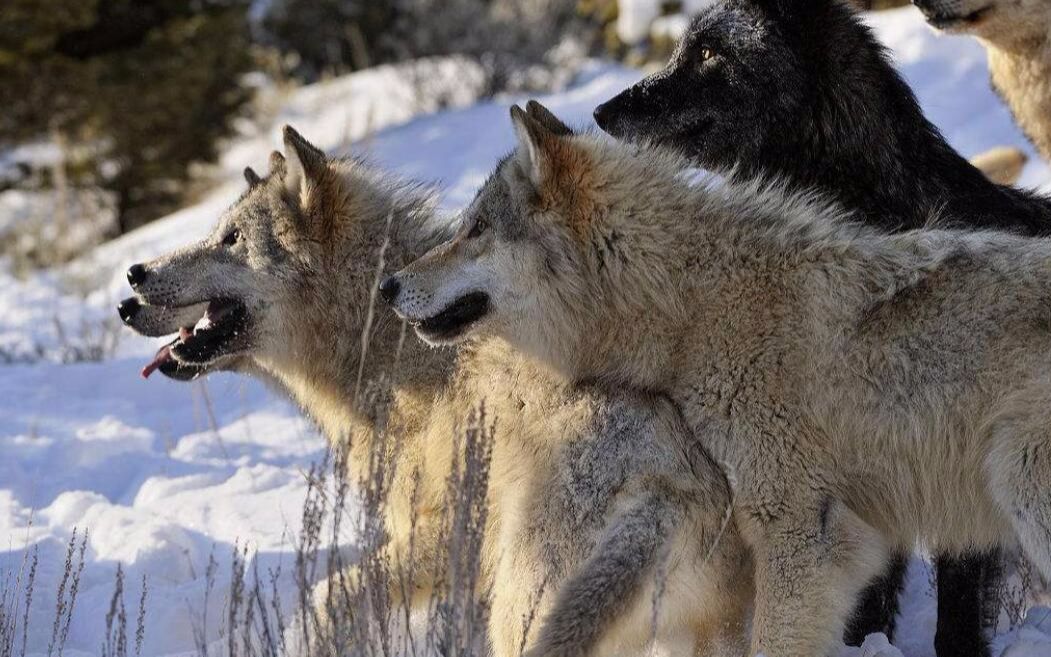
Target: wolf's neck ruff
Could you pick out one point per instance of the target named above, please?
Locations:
(345, 347)
(653, 233)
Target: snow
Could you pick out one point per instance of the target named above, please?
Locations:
(163, 474)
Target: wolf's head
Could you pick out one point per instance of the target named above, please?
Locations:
(747, 74)
(286, 269)
(736, 58)
(558, 225)
(1001, 21)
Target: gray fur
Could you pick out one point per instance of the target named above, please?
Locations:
(864, 391)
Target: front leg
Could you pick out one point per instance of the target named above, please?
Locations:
(812, 561)
(968, 605)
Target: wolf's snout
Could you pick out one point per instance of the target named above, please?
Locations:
(128, 308)
(389, 289)
(136, 275)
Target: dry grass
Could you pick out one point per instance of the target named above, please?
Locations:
(365, 606)
(1015, 593)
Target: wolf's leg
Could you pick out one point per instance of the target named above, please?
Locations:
(967, 603)
(811, 563)
(878, 608)
(592, 599)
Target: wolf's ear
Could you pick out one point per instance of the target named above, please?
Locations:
(305, 162)
(544, 116)
(536, 146)
(277, 165)
(252, 177)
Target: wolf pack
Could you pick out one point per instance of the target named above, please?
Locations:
(751, 395)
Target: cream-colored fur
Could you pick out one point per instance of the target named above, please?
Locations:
(1002, 165)
(862, 390)
(595, 498)
(1017, 38)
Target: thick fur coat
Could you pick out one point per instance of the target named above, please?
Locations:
(803, 91)
(864, 391)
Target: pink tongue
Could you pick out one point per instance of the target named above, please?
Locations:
(164, 354)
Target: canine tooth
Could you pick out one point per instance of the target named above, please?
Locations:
(203, 324)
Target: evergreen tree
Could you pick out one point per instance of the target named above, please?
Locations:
(330, 36)
(142, 88)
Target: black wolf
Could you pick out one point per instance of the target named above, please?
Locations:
(801, 90)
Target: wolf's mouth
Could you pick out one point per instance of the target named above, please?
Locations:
(455, 319)
(220, 331)
(943, 20)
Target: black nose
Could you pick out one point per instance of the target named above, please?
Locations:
(136, 275)
(389, 289)
(603, 114)
(127, 309)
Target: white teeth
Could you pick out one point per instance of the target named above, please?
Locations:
(203, 324)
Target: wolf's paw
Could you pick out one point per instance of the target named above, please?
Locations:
(875, 645)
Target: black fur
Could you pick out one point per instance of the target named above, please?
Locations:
(800, 89)
(967, 592)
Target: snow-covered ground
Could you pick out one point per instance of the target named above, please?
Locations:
(161, 474)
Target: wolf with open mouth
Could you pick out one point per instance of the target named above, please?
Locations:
(231, 299)
(209, 295)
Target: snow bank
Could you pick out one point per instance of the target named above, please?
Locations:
(163, 474)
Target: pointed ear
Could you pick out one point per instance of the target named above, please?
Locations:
(305, 162)
(544, 116)
(535, 146)
(278, 166)
(252, 177)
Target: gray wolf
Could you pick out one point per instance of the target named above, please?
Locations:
(803, 91)
(1017, 37)
(864, 391)
(596, 499)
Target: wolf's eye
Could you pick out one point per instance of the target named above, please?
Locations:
(707, 54)
(478, 228)
(233, 237)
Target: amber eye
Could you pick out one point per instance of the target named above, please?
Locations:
(478, 228)
(233, 237)
(707, 54)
